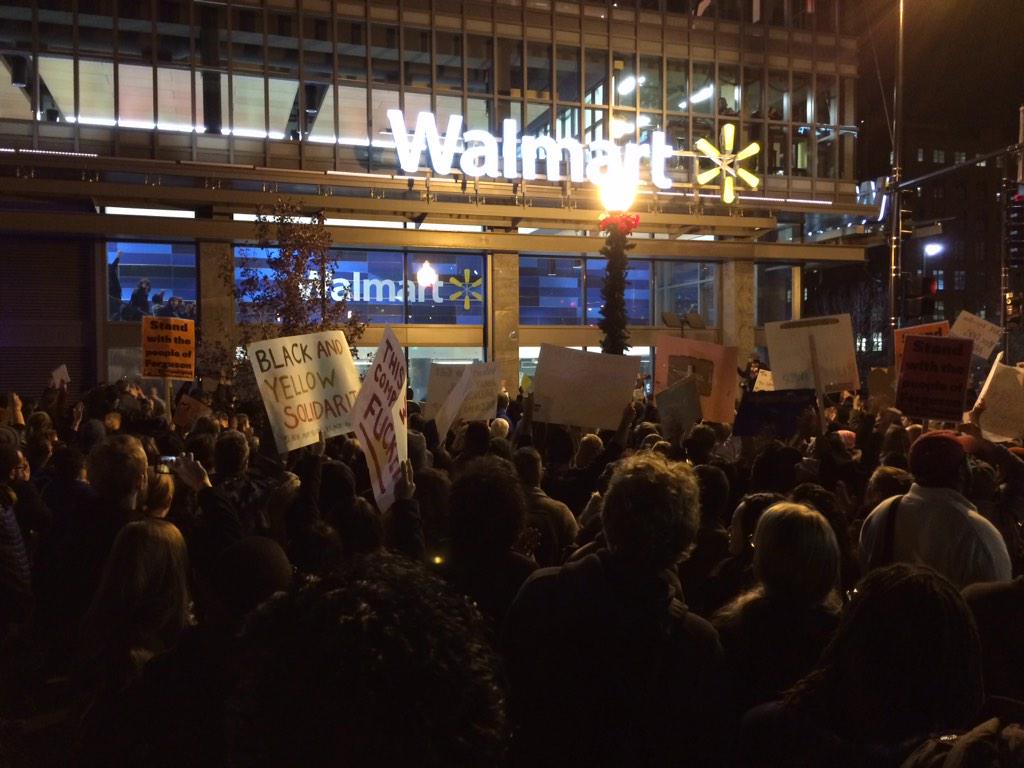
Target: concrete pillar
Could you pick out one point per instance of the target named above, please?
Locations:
(503, 325)
(738, 306)
(797, 292)
(218, 330)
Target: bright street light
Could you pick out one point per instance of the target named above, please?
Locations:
(933, 249)
(617, 191)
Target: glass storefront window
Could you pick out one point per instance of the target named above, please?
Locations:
(773, 293)
(568, 76)
(624, 78)
(778, 91)
(676, 78)
(510, 67)
(683, 287)
(801, 96)
(416, 58)
(538, 70)
(650, 82)
(384, 54)
(702, 96)
(150, 279)
(595, 89)
(801, 150)
(638, 291)
(826, 141)
(479, 64)
(825, 100)
(351, 50)
(420, 359)
(753, 88)
(456, 299)
(777, 150)
(728, 90)
(448, 58)
(550, 291)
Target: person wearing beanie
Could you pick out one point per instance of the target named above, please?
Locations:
(934, 524)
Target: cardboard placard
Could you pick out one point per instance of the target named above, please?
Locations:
(308, 384)
(582, 389)
(443, 378)
(899, 336)
(789, 349)
(775, 413)
(188, 409)
(933, 378)
(382, 418)
(764, 382)
(679, 408)
(986, 335)
(882, 387)
(474, 397)
(712, 365)
(1003, 395)
(168, 348)
(60, 376)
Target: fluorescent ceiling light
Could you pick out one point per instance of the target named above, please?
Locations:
(703, 94)
(165, 213)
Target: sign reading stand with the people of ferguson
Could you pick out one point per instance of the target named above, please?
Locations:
(582, 389)
(308, 384)
(168, 348)
(933, 377)
(382, 418)
(899, 336)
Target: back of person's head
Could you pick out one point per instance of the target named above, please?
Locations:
(68, 464)
(796, 555)
(248, 572)
(205, 425)
(477, 439)
(230, 453)
(38, 423)
(700, 443)
(159, 491)
(774, 469)
(487, 508)
(142, 600)
(558, 446)
(360, 528)
(651, 511)
(499, 428)
(745, 517)
(419, 457)
(432, 491)
(201, 447)
(938, 460)
(714, 495)
(380, 665)
(529, 466)
(884, 483)
(590, 448)
(500, 447)
(983, 485)
(642, 431)
(904, 662)
(896, 440)
(10, 460)
(117, 469)
(913, 432)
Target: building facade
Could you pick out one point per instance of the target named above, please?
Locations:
(139, 140)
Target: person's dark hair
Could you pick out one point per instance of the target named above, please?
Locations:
(796, 555)
(487, 508)
(558, 447)
(117, 468)
(477, 439)
(201, 447)
(529, 466)
(700, 443)
(750, 509)
(896, 441)
(9, 461)
(905, 661)
(714, 495)
(885, 483)
(500, 447)
(68, 463)
(230, 453)
(204, 425)
(379, 665)
(360, 528)
(432, 491)
(651, 511)
(248, 572)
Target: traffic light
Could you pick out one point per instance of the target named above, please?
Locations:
(919, 296)
(1013, 202)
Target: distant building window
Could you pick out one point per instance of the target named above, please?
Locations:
(938, 155)
(960, 157)
(920, 154)
(960, 279)
(940, 309)
(940, 280)
(862, 343)
(877, 341)
(938, 193)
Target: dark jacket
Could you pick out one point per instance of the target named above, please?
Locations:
(998, 608)
(607, 668)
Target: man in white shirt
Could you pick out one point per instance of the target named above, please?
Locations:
(933, 524)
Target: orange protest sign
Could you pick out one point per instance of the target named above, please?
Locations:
(899, 336)
(168, 348)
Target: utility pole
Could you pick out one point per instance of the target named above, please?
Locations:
(896, 235)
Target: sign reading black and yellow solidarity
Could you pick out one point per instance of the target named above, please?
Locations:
(168, 348)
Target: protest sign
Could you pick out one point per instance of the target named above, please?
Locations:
(382, 419)
(985, 335)
(308, 384)
(776, 413)
(474, 397)
(882, 387)
(712, 365)
(764, 382)
(60, 376)
(797, 347)
(168, 348)
(899, 336)
(582, 389)
(443, 378)
(188, 409)
(1003, 395)
(526, 384)
(933, 377)
(679, 408)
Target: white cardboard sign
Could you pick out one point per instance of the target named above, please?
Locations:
(583, 389)
(382, 418)
(679, 408)
(790, 345)
(60, 376)
(474, 397)
(986, 335)
(443, 378)
(764, 382)
(308, 384)
(1003, 393)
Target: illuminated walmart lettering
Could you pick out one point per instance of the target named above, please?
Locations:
(371, 290)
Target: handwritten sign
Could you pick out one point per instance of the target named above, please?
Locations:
(443, 378)
(168, 348)
(986, 335)
(764, 382)
(882, 387)
(582, 389)
(899, 336)
(679, 408)
(60, 376)
(1003, 394)
(790, 346)
(474, 397)
(308, 384)
(775, 414)
(933, 377)
(188, 409)
(382, 418)
(712, 365)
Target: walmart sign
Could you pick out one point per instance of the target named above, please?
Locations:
(362, 289)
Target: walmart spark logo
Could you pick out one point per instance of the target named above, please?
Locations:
(727, 163)
(465, 287)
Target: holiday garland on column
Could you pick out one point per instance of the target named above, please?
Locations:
(613, 311)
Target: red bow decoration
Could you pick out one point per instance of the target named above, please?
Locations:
(623, 222)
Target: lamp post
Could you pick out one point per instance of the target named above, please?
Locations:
(617, 192)
(896, 236)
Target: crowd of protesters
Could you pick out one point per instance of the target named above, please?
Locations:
(180, 594)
